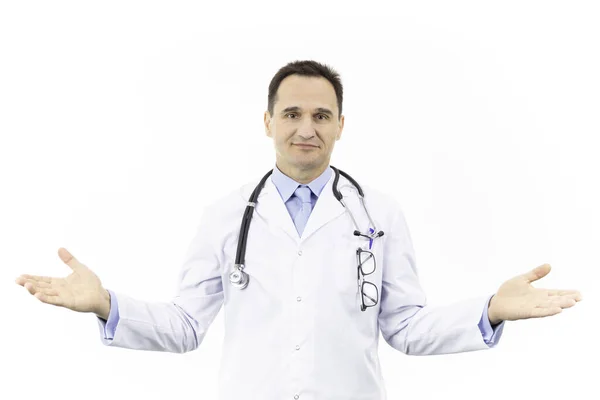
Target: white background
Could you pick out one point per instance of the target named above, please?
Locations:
(120, 121)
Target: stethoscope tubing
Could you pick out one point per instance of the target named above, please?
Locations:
(238, 277)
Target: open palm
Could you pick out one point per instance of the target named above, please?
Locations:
(517, 299)
(80, 291)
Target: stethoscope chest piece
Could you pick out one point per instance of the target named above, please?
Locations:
(239, 279)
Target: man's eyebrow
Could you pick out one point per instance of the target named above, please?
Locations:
(325, 111)
(296, 109)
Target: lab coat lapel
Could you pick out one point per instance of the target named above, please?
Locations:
(326, 209)
(271, 208)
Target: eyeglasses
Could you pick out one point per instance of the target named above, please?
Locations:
(366, 266)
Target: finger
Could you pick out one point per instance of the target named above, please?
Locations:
(30, 286)
(48, 292)
(566, 302)
(69, 259)
(25, 277)
(33, 289)
(540, 312)
(38, 284)
(562, 302)
(573, 293)
(574, 296)
(48, 298)
(537, 273)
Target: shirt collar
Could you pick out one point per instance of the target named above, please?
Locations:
(287, 186)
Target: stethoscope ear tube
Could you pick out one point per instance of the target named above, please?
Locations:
(336, 192)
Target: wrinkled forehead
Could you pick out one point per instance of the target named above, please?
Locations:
(305, 93)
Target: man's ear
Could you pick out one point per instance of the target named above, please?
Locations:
(340, 127)
(267, 119)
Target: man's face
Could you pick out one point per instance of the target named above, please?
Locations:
(305, 113)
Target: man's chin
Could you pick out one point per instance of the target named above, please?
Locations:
(307, 165)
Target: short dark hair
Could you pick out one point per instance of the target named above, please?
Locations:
(306, 68)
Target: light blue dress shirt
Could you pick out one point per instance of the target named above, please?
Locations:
(286, 187)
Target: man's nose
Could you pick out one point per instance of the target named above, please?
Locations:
(306, 129)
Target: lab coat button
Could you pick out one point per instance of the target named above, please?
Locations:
(297, 347)
(300, 252)
(298, 298)
(296, 397)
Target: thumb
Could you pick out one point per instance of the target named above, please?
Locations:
(537, 273)
(69, 259)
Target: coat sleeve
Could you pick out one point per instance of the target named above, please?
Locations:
(180, 325)
(407, 323)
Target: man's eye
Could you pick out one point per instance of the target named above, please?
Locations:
(320, 116)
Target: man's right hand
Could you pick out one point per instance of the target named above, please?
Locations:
(81, 291)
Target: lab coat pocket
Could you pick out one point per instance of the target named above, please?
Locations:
(346, 279)
(345, 269)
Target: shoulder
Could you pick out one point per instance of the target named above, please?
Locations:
(384, 207)
(235, 198)
(231, 205)
(379, 199)
(382, 198)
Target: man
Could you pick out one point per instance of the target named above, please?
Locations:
(307, 324)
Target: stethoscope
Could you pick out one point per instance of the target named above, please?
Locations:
(238, 277)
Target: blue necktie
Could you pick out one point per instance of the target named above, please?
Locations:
(303, 193)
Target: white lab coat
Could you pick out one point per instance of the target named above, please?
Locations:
(296, 331)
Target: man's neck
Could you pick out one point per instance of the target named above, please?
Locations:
(303, 176)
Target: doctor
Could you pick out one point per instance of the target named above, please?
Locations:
(307, 280)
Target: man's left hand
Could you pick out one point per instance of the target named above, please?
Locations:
(517, 299)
